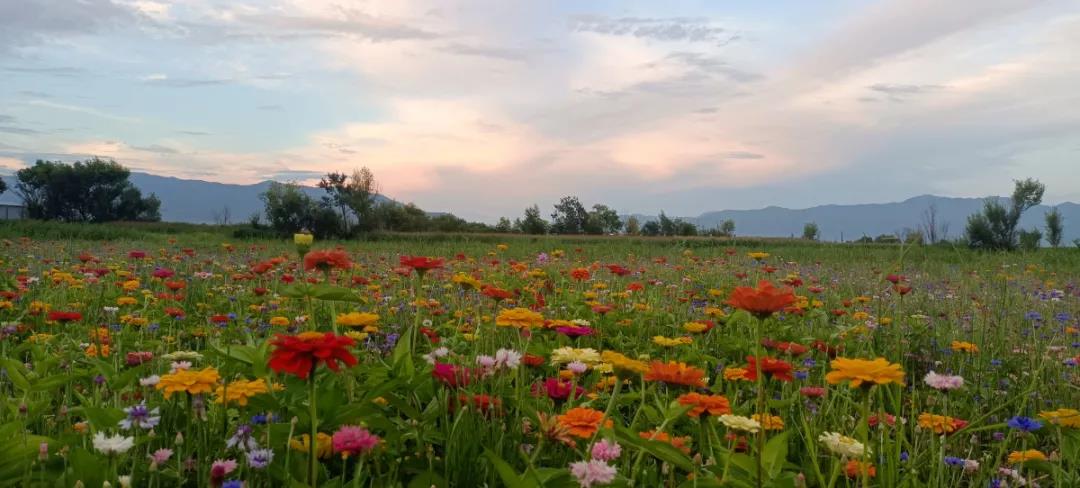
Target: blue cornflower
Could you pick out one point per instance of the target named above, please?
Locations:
(233, 484)
(1026, 424)
(801, 375)
(954, 461)
(260, 458)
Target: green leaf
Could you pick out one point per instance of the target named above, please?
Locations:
(335, 293)
(427, 479)
(661, 450)
(16, 372)
(775, 454)
(509, 477)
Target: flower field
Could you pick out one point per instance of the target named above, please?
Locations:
(535, 363)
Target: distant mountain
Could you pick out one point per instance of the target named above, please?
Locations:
(195, 201)
(851, 222)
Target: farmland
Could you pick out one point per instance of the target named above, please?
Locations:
(184, 359)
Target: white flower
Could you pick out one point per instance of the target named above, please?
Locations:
(111, 310)
(437, 353)
(149, 380)
(739, 422)
(581, 322)
(843, 445)
(507, 358)
(125, 481)
(180, 365)
(117, 444)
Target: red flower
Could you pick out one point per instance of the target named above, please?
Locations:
(219, 319)
(451, 375)
(762, 301)
(64, 317)
(422, 264)
(776, 368)
(580, 274)
(325, 260)
(532, 360)
(300, 354)
(618, 270)
(137, 254)
(498, 294)
(558, 390)
(163, 273)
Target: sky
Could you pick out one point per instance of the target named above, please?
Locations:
(482, 108)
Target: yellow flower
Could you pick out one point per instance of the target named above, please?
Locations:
(189, 381)
(769, 422)
(939, 424)
(561, 355)
(279, 321)
(622, 363)
(239, 391)
(301, 239)
(858, 371)
(121, 301)
(1017, 457)
(671, 342)
(38, 338)
(694, 327)
(324, 445)
(961, 346)
(92, 351)
(714, 312)
(758, 256)
(521, 318)
(357, 319)
(131, 285)
(466, 281)
(1065, 417)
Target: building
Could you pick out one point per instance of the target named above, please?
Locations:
(12, 211)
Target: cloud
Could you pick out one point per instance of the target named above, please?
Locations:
(57, 71)
(156, 148)
(660, 29)
(18, 131)
(29, 22)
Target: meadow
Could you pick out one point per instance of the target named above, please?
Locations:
(192, 358)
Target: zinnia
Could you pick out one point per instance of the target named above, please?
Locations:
(762, 301)
(675, 373)
(712, 404)
(300, 354)
(583, 422)
(521, 318)
(775, 368)
(421, 264)
(351, 440)
(326, 260)
(1017, 457)
(858, 371)
(189, 381)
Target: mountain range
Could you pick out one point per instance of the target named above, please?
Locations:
(204, 202)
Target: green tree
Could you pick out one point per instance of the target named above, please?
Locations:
(353, 195)
(651, 228)
(504, 226)
(995, 227)
(288, 209)
(1030, 239)
(532, 223)
(3, 186)
(810, 231)
(570, 216)
(94, 190)
(603, 220)
(667, 226)
(633, 226)
(1054, 227)
(727, 228)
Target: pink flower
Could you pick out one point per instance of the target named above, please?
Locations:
(592, 472)
(606, 450)
(352, 440)
(220, 469)
(160, 456)
(943, 382)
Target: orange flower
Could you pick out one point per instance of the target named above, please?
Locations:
(940, 424)
(680, 443)
(580, 274)
(854, 469)
(713, 404)
(762, 301)
(675, 373)
(583, 422)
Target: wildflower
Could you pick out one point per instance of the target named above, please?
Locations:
(960, 346)
(769, 422)
(762, 301)
(583, 422)
(242, 438)
(451, 375)
(299, 355)
(159, 457)
(858, 371)
(943, 382)
(843, 445)
(112, 445)
(1025, 424)
(680, 443)
(1065, 417)
(675, 373)
(521, 318)
(559, 390)
(622, 364)
(351, 440)
(139, 416)
(323, 444)
(260, 458)
(735, 374)
(940, 424)
(326, 260)
(1017, 457)
(569, 354)
(188, 381)
(671, 342)
(595, 472)
(240, 391)
(580, 274)
(605, 450)
(220, 469)
(775, 368)
(357, 319)
(738, 422)
(507, 359)
(711, 404)
(855, 469)
(421, 264)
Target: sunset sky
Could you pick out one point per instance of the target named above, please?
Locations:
(485, 107)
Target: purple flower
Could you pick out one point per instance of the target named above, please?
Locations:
(140, 417)
(260, 458)
(1026, 424)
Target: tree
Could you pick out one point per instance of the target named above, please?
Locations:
(3, 186)
(532, 223)
(94, 190)
(667, 226)
(995, 227)
(1029, 239)
(221, 217)
(932, 230)
(651, 228)
(353, 195)
(684, 228)
(288, 209)
(810, 231)
(727, 228)
(570, 216)
(633, 226)
(504, 226)
(1054, 227)
(603, 220)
